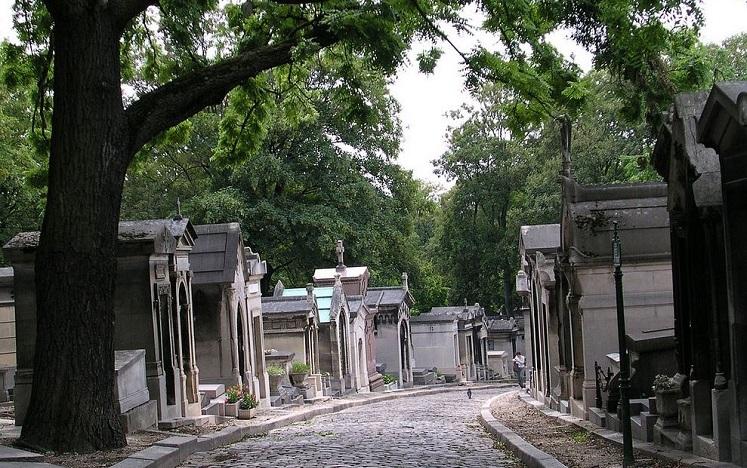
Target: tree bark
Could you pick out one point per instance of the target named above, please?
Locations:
(72, 407)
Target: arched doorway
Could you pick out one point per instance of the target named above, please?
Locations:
(241, 341)
(404, 353)
(167, 346)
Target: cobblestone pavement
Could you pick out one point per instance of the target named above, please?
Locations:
(424, 431)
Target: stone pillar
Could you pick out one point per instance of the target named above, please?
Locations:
(577, 347)
(721, 414)
(233, 322)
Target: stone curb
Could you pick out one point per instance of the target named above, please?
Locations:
(530, 455)
(656, 451)
(170, 452)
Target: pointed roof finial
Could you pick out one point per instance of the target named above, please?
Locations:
(340, 250)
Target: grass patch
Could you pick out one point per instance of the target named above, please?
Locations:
(580, 437)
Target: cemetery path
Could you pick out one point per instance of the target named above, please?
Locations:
(424, 431)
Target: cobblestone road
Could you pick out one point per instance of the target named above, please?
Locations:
(424, 431)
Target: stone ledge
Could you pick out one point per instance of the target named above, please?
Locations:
(656, 451)
(530, 455)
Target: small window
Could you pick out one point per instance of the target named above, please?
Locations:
(491, 345)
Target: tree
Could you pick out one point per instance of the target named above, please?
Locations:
(91, 47)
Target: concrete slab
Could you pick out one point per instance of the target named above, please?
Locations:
(11, 454)
(28, 465)
(185, 444)
(160, 456)
(135, 463)
(212, 391)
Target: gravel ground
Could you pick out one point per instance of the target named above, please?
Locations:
(573, 446)
(135, 442)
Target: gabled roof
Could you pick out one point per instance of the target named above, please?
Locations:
(392, 296)
(703, 165)
(286, 305)
(450, 314)
(215, 257)
(542, 237)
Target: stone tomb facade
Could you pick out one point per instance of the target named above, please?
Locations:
(453, 340)
(723, 127)
(7, 334)
(585, 288)
(291, 324)
(505, 338)
(538, 246)
(390, 307)
(152, 306)
(228, 314)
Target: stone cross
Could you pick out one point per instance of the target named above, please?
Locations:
(340, 253)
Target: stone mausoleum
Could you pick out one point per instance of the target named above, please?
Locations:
(228, 310)
(153, 312)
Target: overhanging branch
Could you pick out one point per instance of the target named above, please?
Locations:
(185, 96)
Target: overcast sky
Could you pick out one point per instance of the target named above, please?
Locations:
(426, 98)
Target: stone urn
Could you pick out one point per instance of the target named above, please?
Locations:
(275, 381)
(247, 413)
(232, 409)
(667, 407)
(298, 379)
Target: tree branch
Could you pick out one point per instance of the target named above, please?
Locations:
(126, 10)
(186, 95)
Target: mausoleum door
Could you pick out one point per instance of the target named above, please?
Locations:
(166, 337)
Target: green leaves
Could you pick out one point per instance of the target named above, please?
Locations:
(428, 59)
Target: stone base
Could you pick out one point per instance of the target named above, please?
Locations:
(666, 437)
(140, 417)
(598, 416)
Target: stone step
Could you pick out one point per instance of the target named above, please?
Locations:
(175, 423)
(215, 408)
(10, 454)
(598, 416)
(318, 399)
(212, 391)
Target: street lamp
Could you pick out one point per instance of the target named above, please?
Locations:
(628, 459)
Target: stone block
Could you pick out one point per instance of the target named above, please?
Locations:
(186, 445)
(141, 417)
(212, 391)
(134, 463)
(131, 387)
(158, 456)
(214, 408)
(10, 454)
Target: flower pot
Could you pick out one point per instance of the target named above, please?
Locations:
(247, 413)
(275, 381)
(666, 407)
(298, 379)
(232, 409)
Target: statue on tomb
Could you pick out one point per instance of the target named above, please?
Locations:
(340, 249)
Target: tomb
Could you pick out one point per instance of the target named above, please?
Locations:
(722, 126)
(7, 334)
(538, 246)
(353, 283)
(453, 340)
(153, 311)
(291, 324)
(227, 306)
(505, 339)
(390, 307)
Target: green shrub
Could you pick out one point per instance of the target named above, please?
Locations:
(234, 393)
(389, 378)
(299, 367)
(248, 401)
(275, 370)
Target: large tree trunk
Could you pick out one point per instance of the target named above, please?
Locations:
(72, 407)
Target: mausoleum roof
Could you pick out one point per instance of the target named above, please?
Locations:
(286, 305)
(215, 256)
(391, 296)
(640, 210)
(321, 274)
(129, 232)
(450, 313)
(544, 237)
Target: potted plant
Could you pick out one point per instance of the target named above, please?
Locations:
(276, 374)
(390, 381)
(233, 395)
(667, 392)
(247, 406)
(298, 373)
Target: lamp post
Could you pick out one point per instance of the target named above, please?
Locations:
(628, 459)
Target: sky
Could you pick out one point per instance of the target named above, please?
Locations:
(425, 99)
